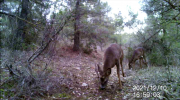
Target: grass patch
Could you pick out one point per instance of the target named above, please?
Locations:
(62, 96)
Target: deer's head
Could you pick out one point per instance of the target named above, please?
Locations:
(103, 76)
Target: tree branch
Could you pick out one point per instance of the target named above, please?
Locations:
(44, 46)
(173, 6)
(18, 18)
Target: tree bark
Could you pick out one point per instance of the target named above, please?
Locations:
(76, 27)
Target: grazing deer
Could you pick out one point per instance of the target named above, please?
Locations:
(138, 54)
(112, 56)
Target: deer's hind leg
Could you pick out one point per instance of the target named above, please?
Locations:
(122, 67)
(120, 84)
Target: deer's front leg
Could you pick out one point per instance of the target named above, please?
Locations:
(144, 60)
(140, 62)
(120, 84)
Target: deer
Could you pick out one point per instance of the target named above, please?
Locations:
(112, 56)
(138, 54)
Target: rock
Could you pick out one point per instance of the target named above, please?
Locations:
(100, 97)
(84, 84)
(78, 68)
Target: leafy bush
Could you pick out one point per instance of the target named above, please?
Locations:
(88, 47)
(87, 50)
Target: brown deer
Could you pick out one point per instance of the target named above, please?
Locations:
(112, 56)
(138, 54)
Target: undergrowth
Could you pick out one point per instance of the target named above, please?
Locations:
(16, 82)
(159, 80)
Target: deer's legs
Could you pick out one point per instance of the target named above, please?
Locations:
(122, 68)
(133, 63)
(120, 84)
(144, 60)
(141, 62)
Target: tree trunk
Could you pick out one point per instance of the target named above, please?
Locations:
(21, 29)
(76, 27)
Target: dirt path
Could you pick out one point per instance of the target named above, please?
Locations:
(74, 77)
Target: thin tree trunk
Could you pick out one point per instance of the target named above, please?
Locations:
(76, 28)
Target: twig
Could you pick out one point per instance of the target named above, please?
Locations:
(12, 73)
(44, 69)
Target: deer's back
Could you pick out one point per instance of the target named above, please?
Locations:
(138, 53)
(112, 55)
(139, 50)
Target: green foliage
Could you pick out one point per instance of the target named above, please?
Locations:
(6, 89)
(13, 26)
(162, 30)
(153, 56)
(94, 24)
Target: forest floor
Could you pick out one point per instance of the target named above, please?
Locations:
(71, 76)
(74, 77)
